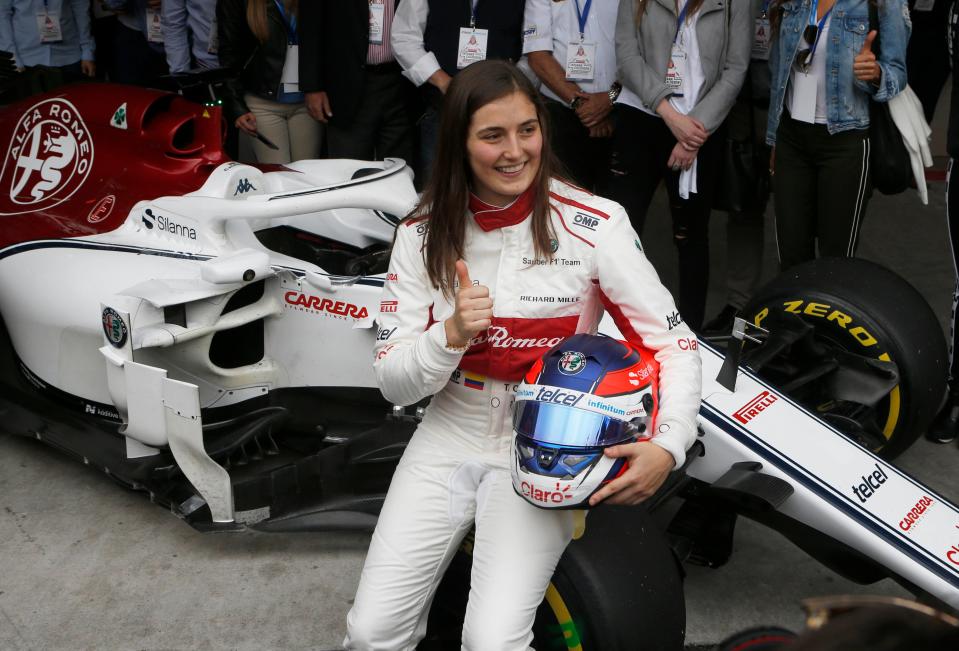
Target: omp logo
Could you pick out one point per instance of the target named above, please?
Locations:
(49, 158)
(912, 517)
(316, 304)
(167, 225)
(557, 496)
(243, 187)
(755, 407)
(585, 221)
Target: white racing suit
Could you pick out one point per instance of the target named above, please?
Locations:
(456, 468)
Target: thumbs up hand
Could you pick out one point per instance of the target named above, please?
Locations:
(864, 66)
(473, 312)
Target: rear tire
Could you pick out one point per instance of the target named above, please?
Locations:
(858, 307)
(617, 588)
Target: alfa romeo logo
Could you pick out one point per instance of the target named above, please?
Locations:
(571, 363)
(49, 158)
(114, 328)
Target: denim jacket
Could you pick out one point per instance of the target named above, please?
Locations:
(847, 98)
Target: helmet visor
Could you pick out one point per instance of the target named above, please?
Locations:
(546, 422)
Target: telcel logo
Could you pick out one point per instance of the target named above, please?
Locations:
(558, 496)
(558, 396)
(870, 484)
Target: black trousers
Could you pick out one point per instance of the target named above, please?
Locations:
(952, 221)
(822, 188)
(585, 159)
(382, 127)
(642, 144)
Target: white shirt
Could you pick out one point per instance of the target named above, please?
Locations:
(804, 103)
(407, 39)
(551, 26)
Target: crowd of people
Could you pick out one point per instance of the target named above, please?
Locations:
(638, 93)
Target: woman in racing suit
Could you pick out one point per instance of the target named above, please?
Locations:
(498, 263)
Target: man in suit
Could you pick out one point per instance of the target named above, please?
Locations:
(352, 81)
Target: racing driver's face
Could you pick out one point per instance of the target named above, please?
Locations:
(504, 143)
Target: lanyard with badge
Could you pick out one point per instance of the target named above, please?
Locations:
(290, 79)
(676, 71)
(377, 20)
(472, 45)
(154, 25)
(49, 25)
(762, 34)
(581, 55)
(811, 35)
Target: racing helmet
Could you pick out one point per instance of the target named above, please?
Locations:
(587, 393)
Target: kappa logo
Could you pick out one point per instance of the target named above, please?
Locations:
(243, 187)
(586, 221)
(49, 158)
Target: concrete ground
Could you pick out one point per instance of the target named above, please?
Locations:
(85, 564)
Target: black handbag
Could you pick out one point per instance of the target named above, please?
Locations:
(743, 179)
(889, 161)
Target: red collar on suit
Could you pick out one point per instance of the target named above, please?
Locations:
(490, 217)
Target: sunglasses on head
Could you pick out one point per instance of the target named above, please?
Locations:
(804, 56)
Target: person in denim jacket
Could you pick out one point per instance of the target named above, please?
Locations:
(824, 74)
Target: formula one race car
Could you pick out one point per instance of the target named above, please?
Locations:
(201, 330)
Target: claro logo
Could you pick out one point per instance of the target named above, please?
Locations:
(915, 513)
(327, 305)
(558, 496)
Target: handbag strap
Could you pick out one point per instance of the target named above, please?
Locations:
(874, 25)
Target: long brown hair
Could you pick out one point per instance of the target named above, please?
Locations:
(446, 195)
(691, 10)
(256, 16)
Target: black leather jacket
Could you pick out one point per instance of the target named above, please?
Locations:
(258, 66)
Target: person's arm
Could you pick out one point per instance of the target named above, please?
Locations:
(411, 361)
(644, 311)
(551, 73)
(406, 39)
(312, 19)
(634, 73)
(711, 109)
(176, 39)
(236, 46)
(7, 42)
(895, 29)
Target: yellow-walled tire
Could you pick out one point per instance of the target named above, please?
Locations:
(617, 588)
(861, 314)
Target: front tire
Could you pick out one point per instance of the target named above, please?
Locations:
(865, 329)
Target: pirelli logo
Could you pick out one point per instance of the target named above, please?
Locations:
(755, 407)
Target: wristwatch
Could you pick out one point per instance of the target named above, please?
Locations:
(614, 91)
(576, 101)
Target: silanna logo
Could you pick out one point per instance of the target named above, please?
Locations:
(755, 407)
(49, 158)
(166, 225)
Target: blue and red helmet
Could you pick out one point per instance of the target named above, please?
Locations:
(585, 394)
